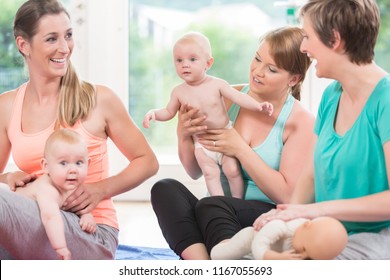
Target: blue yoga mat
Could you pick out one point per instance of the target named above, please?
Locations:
(125, 252)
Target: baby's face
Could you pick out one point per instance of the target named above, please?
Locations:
(67, 165)
(191, 62)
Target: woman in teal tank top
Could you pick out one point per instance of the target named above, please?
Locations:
(271, 151)
(348, 175)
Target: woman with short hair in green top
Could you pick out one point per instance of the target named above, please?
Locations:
(348, 177)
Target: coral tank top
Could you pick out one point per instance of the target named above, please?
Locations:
(27, 152)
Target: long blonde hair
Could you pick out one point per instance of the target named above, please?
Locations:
(77, 97)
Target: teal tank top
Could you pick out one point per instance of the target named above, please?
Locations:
(353, 165)
(270, 150)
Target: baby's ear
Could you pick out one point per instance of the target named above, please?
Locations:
(44, 165)
(210, 63)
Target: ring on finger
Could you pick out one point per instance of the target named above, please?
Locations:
(214, 144)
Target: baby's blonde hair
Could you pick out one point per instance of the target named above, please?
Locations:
(63, 135)
(197, 38)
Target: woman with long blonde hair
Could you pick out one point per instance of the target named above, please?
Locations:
(55, 97)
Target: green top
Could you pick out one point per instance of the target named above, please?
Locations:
(270, 150)
(353, 165)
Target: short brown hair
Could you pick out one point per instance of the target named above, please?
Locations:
(357, 21)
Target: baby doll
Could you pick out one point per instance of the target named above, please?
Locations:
(322, 238)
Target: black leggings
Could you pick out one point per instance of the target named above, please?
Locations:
(184, 220)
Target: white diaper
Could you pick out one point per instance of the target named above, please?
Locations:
(216, 156)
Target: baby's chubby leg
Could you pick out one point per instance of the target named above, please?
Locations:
(211, 172)
(232, 171)
(235, 248)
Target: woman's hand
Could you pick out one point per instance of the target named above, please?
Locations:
(188, 123)
(287, 212)
(283, 214)
(226, 141)
(264, 218)
(19, 179)
(83, 199)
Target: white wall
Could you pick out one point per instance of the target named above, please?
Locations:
(101, 36)
(312, 90)
(101, 49)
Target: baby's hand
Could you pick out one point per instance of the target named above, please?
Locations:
(87, 223)
(150, 116)
(64, 254)
(267, 107)
(291, 255)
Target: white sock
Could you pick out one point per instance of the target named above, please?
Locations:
(236, 247)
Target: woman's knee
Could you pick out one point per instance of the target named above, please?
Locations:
(213, 214)
(208, 205)
(162, 187)
(170, 193)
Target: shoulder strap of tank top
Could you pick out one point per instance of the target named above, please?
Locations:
(16, 113)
